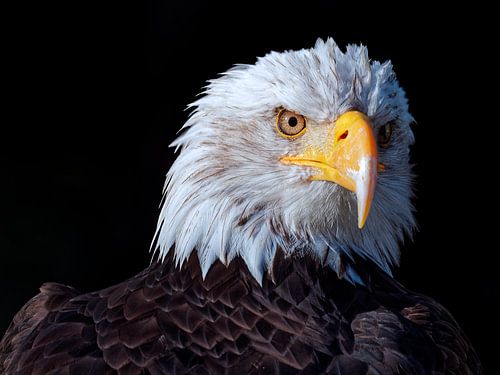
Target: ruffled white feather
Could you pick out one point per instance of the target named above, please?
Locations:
(228, 195)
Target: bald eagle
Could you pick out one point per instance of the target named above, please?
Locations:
(281, 221)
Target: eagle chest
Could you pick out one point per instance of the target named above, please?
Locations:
(226, 323)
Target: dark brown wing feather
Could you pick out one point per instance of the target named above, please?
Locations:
(305, 320)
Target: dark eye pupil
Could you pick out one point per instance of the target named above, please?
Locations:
(383, 132)
(292, 121)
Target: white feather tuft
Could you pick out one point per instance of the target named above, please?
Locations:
(228, 195)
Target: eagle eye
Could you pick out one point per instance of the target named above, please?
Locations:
(385, 134)
(290, 124)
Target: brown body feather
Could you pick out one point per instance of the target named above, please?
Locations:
(170, 321)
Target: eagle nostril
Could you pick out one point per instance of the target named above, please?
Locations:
(343, 135)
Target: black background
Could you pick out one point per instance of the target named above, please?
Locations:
(94, 93)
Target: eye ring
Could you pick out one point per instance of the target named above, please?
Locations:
(385, 134)
(290, 124)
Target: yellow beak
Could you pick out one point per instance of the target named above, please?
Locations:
(348, 158)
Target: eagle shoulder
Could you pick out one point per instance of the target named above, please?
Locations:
(302, 320)
(406, 333)
(456, 353)
(51, 297)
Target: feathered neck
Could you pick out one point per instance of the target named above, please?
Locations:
(227, 195)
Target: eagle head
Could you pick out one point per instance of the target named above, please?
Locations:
(304, 151)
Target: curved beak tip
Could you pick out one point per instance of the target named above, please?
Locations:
(365, 179)
(363, 210)
(362, 216)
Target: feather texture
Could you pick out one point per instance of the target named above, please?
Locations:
(171, 321)
(260, 270)
(228, 195)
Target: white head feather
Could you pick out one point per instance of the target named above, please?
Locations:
(228, 195)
